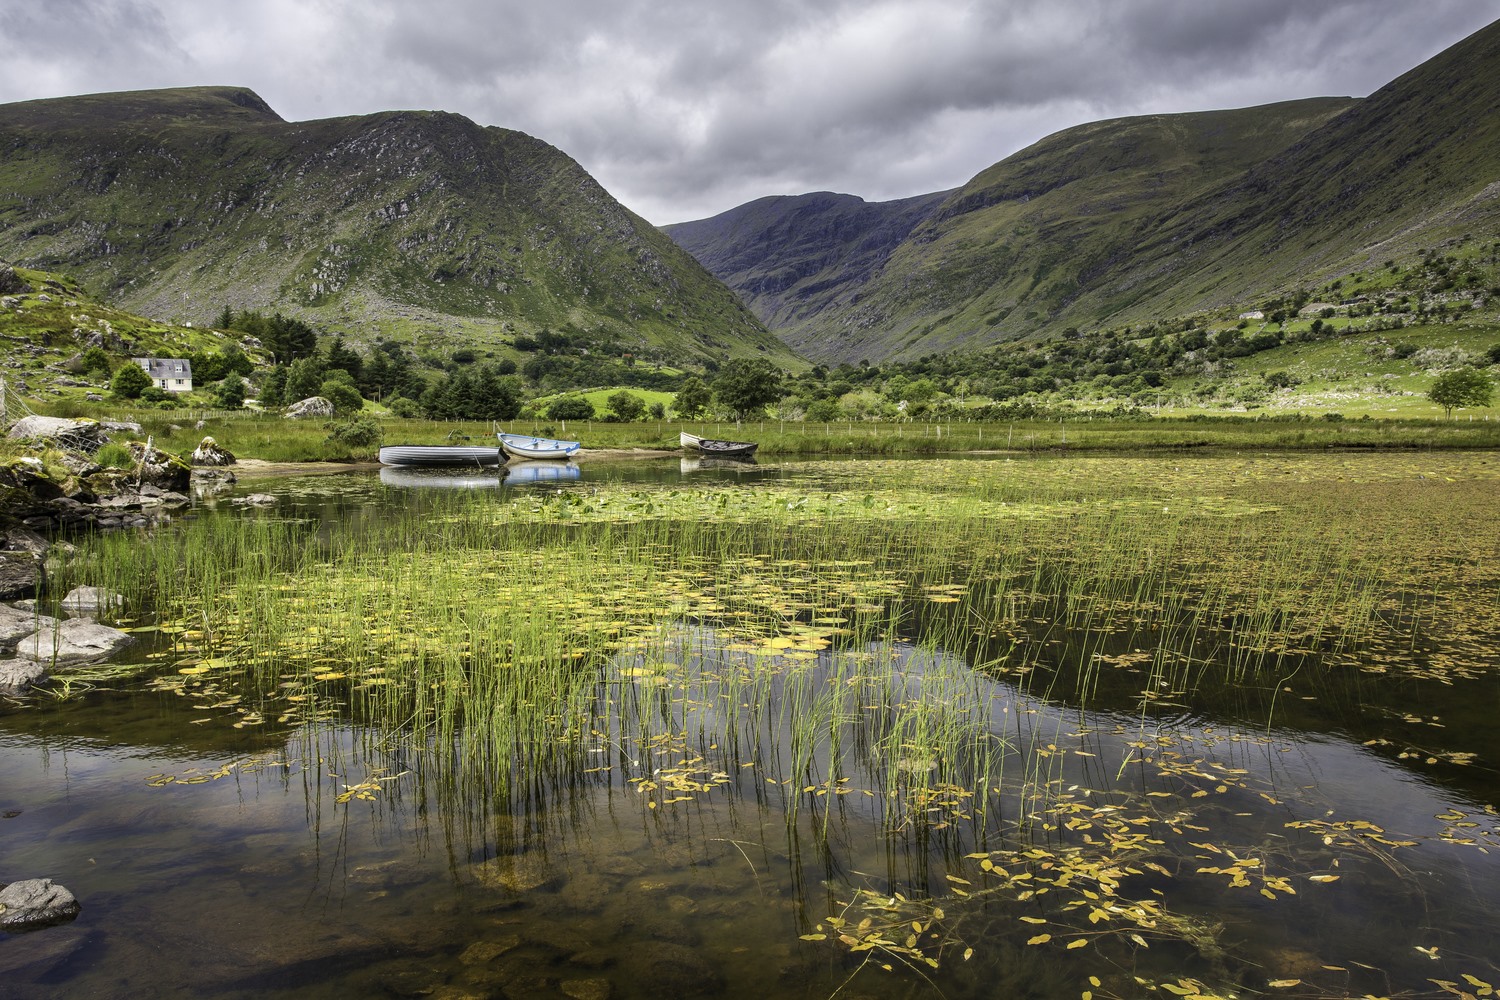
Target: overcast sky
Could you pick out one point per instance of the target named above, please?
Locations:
(685, 108)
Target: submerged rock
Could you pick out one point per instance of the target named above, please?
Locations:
(35, 903)
(90, 600)
(75, 641)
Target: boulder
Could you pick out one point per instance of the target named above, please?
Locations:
(313, 406)
(62, 432)
(19, 674)
(21, 574)
(35, 903)
(16, 623)
(209, 452)
(71, 642)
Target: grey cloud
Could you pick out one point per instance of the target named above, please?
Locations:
(682, 108)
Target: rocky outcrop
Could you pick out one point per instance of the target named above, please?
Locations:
(35, 903)
(12, 283)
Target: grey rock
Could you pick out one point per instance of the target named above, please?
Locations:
(21, 574)
(74, 641)
(20, 674)
(83, 435)
(26, 540)
(35, 903)
(16, 623)
(312, 406)
(90, 600)
(209, 452)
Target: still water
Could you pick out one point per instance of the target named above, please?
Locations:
(959, 822)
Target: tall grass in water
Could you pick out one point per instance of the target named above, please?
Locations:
(529, 637)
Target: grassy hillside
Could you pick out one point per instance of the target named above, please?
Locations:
(416, 226)
(1136, 220)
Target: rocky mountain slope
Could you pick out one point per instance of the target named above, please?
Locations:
(413, 225)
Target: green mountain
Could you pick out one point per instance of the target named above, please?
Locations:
(1136, 219)
(418, 226)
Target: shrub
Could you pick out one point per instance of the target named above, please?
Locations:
(356, 434)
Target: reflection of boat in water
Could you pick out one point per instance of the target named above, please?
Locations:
(525, 446)
(720, 449)
(444, 478)
(733, 464)
(524, 473)
(438, 454)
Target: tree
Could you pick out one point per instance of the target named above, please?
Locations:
(624, 407)
(303, 379)
(129, 382)
(230, 393)
(1461, 387)
(745, 387)
(342, 394)
(570, 408)
(692, 399)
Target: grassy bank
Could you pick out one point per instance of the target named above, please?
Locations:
(272, 438)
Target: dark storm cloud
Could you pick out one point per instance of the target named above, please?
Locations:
(683, 108)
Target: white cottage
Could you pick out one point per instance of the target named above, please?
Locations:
(169, 374)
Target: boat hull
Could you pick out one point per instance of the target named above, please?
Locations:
(721, 449)
(420, 455)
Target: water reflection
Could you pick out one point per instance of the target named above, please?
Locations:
(532, 472)
(696, 834)
(440, 477)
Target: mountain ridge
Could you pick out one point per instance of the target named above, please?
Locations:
(412, 225)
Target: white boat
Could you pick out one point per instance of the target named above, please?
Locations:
(721, 449)
(438, 454)
(525, 446)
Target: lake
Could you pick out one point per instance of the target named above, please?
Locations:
(1069, 726)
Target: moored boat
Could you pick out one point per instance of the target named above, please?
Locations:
(526, 446)
(722, 449)
(438, 454)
